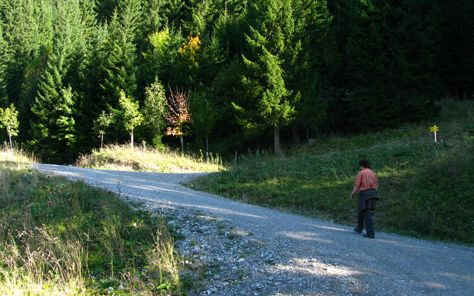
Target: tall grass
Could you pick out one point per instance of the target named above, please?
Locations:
(426, 189)
(64, 238)
(122, 157)
(16, 158)
(38, 262)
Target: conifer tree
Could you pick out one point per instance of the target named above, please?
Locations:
(173, 12)
(204, 116)
(283, 63)
(154, 20)
(28, 30)
(105, 9)
(119, 68)
(4, 59)
(120, 63)
(271, 25)
(304, 65)
(54, 123)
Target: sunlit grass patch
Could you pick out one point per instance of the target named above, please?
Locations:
(17, 284)
(15, 158)
(118, 157)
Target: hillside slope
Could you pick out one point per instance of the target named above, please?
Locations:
(426, 189)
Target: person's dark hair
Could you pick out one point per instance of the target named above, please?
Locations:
(364, 163)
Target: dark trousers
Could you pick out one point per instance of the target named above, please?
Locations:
(365, 219)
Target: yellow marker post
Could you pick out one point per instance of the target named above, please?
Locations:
(435, 129)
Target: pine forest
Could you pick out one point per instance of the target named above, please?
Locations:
(224, 75)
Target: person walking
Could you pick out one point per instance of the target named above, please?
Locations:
(366, 184)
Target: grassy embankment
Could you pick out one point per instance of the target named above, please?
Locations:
(117, 157)
(426, 190)
(64, 238)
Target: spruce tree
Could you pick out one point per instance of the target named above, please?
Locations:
(154, 20)
(304, 65)
(53, 123)
(271, 25)
(105, 9)
(119, 58)
(120, 63)
(204, 114)
(120, 69)
(174, 12)
(28, 30)
(4, 59)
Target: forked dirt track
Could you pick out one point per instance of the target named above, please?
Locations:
(315, 256)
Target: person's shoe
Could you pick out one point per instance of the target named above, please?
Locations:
(357, 230)
(369, 235)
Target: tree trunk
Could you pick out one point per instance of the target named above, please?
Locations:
(276, 138)
(296, 135)
(182, 144)
(207, 148)
(10, 138)
(101, 140)
(131, 139)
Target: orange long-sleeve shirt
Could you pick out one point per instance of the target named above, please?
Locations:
(365, 179)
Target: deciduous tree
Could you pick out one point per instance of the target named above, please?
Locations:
(9, 121)
(131, 115)
(178, 115)
(101, 124)
(154, 111)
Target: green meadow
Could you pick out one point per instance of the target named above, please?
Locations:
(426, 189)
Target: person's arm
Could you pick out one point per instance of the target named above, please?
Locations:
(357, 184)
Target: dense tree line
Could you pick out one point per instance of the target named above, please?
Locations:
(84, 72)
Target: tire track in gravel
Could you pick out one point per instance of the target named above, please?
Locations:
(315, 257)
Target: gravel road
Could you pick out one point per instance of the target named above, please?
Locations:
(294, 255)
